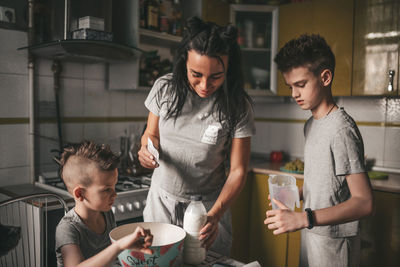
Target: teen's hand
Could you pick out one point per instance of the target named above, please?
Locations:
(146, 159)
(209, 232)
(140, 240)
(284, 220)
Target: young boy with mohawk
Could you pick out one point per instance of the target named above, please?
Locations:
(90, 173)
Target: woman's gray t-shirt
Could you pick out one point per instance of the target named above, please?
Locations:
(194, 147)
(333, 149)
(72, 230)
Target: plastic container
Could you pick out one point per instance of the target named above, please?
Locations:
(194, 219)
(284, 189)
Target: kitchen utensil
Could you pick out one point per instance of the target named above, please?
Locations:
(284, 189)
(167, 244)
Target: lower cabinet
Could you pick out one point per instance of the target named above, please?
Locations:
(380, 234)
(252, 240)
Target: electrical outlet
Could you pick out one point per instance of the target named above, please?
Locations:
(7, 14)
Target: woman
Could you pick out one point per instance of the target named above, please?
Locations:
(201, 121)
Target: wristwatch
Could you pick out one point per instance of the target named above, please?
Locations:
(310, 218)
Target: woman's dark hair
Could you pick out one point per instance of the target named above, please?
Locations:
(207, 38)
(310, 51)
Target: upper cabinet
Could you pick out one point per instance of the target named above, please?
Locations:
(333, 20)
(376, 47)
(258, 37)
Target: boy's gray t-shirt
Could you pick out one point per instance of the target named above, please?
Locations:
(72, 230)
(194, 147)
(333, 149)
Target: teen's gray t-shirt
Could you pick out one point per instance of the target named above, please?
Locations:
(194, 148)
(72, 230)
(333, 149)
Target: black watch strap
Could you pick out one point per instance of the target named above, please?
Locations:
(310, 218)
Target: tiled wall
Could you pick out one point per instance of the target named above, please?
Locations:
(83, 94)
(382, 143)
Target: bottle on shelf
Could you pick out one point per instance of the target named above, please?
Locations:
(176, 21)
(143, 13)
(194, 219)
(153, 12)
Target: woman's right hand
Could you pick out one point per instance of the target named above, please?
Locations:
(146, 159)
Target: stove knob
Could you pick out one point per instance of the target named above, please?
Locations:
(136, 204)
(129, 206)
(113, 209)
(121, 208)
(144, 202)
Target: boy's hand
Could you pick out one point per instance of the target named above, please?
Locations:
(284, 220)
(140, 240)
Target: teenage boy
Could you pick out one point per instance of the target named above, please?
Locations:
(90, 173)
(336, 190)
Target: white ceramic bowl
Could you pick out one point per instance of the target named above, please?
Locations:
(167, 244)
(259, 75)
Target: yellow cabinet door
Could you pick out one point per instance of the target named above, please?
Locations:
(376, 47)
(333, 20)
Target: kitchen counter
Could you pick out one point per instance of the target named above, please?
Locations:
(262, 165)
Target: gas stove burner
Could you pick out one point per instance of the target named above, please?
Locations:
(126, 183)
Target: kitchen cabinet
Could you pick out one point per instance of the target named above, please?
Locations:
(258, 37)
(376, 48)
(252, 240)
(380, 234)
(333, 20)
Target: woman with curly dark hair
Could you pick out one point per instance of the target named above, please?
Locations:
(200, 121)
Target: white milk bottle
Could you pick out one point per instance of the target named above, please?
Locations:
(194, 219)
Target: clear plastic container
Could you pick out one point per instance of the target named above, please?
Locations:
(194, 219)
(284, 189)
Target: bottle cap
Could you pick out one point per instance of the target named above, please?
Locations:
(196, 197)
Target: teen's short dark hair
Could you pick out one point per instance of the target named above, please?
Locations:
(100, 154)
(310, 51)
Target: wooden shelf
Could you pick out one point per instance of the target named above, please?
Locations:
(266, 50)
(159, 38)
(84, 51)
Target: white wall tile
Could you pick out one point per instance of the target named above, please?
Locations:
(374, 140)
(97, 132)
(260, 143)
(12, 60)
(14, 145)
(14, 176)
(393, 110)
(72, 98)
(287, 137)
(288, 110)
(13, 95)
(96, 99)
(96, 71)
(72, 70)
(135, 104)
(364, 109)
(392, 147)
(73, 132)
(43, 67)
(117, 102)
(44, 87)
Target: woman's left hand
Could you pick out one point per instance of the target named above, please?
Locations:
(209, 232)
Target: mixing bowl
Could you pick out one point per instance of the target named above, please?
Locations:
(167, 244)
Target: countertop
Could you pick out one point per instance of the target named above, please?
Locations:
(262, 165)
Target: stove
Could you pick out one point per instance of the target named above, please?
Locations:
(131, 194)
